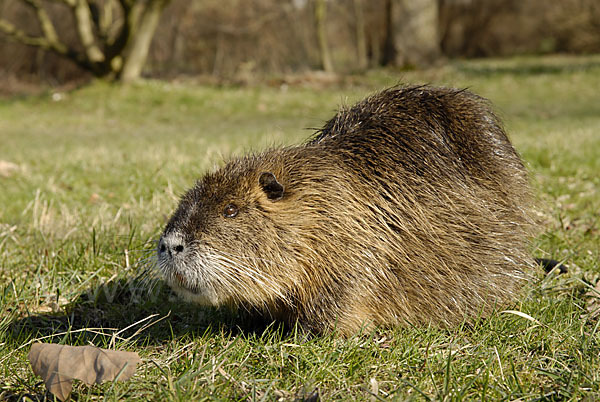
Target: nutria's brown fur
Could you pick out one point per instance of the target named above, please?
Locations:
(410, 207)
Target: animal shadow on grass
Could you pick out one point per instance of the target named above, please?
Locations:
(132, 310)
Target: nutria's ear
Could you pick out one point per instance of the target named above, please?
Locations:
(268, 182)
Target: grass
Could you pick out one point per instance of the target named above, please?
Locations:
(100, 169)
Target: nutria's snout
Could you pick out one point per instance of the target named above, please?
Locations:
(171, 253)
(186, 268)
(170, 246)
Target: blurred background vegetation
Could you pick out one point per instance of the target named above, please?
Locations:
(59, 42)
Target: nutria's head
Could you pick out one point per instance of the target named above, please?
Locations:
(217, 248)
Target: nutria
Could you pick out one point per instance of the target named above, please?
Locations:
(411, 207)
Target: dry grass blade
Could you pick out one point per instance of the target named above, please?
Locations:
(522, 315)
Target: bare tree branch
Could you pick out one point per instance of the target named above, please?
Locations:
(127, 28)
(106, 20)
(46, 24)
(49, 41)
(133, 14)
(21, 36)
(126, 5)
(86, 34)
(70, 3)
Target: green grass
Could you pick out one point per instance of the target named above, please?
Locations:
(100, 170)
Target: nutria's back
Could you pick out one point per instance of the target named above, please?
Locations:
(410, 207)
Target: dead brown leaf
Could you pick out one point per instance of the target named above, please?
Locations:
(59, 365)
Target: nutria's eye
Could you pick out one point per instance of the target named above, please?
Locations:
(230, 211)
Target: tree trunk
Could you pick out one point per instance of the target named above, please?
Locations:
(139, 42)
(320, 13)
(388, 55)
(415, 27)
(361, 39)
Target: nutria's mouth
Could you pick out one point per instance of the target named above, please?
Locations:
(191, 292)
(179, 280)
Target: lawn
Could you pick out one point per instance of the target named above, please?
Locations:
(95, 173)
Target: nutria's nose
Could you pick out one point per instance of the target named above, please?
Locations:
(171, 243)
